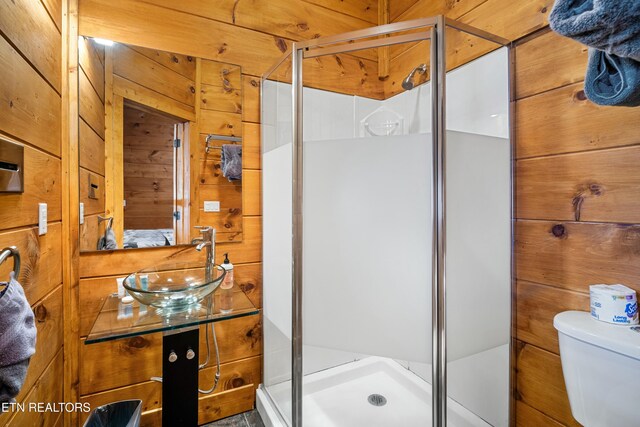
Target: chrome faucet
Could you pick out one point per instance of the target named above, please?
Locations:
(208, 241)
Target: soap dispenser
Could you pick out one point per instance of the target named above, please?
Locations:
(226, 288)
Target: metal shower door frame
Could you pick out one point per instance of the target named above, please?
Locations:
(435, 30)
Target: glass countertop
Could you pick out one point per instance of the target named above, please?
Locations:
(119, 320)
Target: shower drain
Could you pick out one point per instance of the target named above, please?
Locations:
(377, 400)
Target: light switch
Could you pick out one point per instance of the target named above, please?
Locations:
(211, 206)
(42, 218)
(81, 213)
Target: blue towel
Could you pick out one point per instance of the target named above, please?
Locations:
(609, 25)
(612, 80)
(17, 340)
(232, 162)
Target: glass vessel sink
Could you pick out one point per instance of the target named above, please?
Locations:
(172, 286)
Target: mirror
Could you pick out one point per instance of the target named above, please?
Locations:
(160, 147)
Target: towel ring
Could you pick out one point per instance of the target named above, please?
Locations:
(11, 251)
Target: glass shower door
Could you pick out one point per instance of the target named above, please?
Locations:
(478, 231)
(277, 197)
(366, 230)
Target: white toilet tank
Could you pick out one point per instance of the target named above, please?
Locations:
(601, 367)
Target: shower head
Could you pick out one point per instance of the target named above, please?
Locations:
(407, 83)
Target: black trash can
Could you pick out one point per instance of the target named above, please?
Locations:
(125, 413)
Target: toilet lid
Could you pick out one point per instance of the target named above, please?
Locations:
(580, 325)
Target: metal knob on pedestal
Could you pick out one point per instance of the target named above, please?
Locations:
(173, 357)
(190, 354)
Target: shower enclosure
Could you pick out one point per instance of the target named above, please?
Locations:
(387, 234)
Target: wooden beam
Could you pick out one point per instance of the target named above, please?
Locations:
(536, 307)
(25, 97)
(550, 51)
(563, 120)
(70, 206)
(96, 264)
(541, 383)
(131, 90)
(275, 17)
(526, 416)
(135, 67)
(571, 255)
(597, 186)
(41, 270)
(139, 358)
(235, 376)
(28, 25)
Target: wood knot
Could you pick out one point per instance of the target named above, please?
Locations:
(247, 287)
(10, 104)
(254, 83)
(630, 240)
(303, 26)
(40, 313)
(174, 59)
(595, 189)
(543, 10)
(222, 49)
(581, 96)
(192, 89)
(583, 192)
(237, 382)
(228, 225)
(281, 44)
(559, 231)
(137, 342)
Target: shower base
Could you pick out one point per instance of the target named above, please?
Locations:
(372, 392)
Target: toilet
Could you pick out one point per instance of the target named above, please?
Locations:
(601, 366)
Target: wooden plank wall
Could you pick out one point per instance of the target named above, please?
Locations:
(148, 169)
(220, 113)
(30, 114)
(578, 221)
(91, 137)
